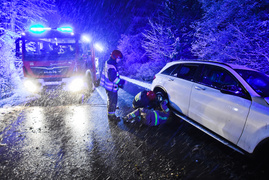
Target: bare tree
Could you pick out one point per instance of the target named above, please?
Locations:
(234, 31)
(160, 43)
(16, 14)
(15, 17)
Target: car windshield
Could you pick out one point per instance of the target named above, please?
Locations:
(258, 81)
(50, 49)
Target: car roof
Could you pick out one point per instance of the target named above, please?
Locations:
(233, 66)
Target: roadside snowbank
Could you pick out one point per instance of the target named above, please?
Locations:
(19, 97)
(140, 83)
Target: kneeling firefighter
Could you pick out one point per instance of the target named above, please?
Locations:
(150, 117)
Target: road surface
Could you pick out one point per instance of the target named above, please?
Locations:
(58, 140)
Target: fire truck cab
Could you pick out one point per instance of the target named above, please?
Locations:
(56, 59)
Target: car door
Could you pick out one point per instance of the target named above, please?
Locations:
(179, 86)
(223, 113)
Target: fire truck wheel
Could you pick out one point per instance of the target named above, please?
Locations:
(89, 82)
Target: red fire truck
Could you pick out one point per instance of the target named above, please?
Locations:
(56, 58)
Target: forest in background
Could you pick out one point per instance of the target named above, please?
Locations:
(149, 33)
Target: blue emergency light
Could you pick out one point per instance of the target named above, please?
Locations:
(38, 29)
(65, 29)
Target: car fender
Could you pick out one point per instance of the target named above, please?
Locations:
(256, 128)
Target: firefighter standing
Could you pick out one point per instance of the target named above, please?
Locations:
(111, 81)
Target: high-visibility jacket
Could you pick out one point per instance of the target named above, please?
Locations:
(110, 78)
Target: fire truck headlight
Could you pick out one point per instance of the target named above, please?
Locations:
(31, 86)
(76, 85)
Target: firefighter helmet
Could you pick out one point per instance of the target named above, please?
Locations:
(116, 54)
(151, 95)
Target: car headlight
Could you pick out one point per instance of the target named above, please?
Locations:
(31, 86)
(76, 85)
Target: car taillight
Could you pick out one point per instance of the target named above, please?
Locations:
(154, 77)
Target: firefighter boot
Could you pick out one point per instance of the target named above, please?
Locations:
(114, 118)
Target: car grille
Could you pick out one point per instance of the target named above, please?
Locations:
(43, 71)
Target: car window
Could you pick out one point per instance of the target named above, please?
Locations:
(257, 80)
(216, 77)
(219, 78)
(186, 71)
(170, 69)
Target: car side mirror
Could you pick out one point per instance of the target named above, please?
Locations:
(233, 90)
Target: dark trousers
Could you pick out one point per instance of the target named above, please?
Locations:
(112, 99)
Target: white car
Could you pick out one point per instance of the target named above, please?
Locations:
(228, 102)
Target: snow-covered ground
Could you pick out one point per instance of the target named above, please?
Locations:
(19, 97)
(140, 83)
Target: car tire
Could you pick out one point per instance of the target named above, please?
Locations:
(161, 95)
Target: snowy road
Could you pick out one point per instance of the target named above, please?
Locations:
(78, 142)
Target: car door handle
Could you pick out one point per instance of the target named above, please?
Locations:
(199, 88)
(170, 79)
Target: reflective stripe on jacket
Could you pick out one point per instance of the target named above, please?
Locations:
(164, 106)
(105, 82)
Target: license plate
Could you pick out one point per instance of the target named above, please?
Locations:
(52, 83)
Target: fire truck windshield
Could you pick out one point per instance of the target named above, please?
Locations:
(46, 49)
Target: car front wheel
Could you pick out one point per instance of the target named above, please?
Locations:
(161, 95)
